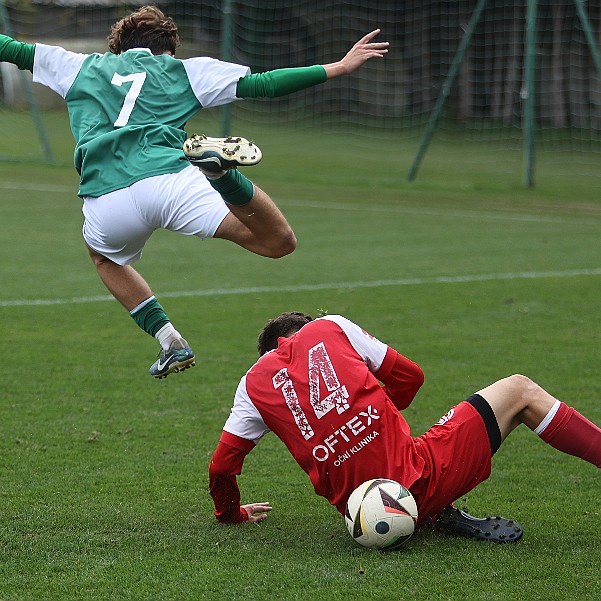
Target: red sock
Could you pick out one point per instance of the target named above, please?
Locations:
(572, 433)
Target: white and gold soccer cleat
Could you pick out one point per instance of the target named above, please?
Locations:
(216, 155)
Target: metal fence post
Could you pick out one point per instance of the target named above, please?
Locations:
(528, 93)
(226, 55)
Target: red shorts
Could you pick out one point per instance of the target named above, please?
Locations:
(457, 455)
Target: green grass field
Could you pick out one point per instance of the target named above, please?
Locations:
(104, 471)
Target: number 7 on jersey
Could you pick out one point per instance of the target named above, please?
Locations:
(137, 80)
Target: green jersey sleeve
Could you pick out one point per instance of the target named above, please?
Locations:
(18, 53)
(280, 82)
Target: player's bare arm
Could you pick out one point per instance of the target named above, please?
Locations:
(360, 53)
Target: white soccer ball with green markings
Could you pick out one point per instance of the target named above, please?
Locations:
(381, 514)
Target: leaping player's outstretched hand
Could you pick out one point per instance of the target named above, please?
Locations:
(257, 511)
(360, 53)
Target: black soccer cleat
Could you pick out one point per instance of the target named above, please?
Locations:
(495, 529)
(215, 155)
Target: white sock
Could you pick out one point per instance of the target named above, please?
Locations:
(142, 305)
(166, 335)
(547, 419)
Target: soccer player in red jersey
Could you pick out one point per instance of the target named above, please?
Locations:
(334, 395)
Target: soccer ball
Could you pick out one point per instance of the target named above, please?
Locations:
(381, 514)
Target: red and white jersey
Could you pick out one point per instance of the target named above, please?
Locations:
(320, 393)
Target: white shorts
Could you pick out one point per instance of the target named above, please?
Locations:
(118, 224)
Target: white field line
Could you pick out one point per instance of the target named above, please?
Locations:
(461, 214)
(459, 279)
(369, 207)
(39, 187)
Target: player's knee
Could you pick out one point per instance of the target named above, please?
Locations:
(284, 245)
(521, 386)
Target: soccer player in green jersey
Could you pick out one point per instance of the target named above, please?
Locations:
(128, 109)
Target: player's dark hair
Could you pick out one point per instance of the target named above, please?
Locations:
(282, 326)
(147, 27)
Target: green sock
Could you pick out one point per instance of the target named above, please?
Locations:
(150, 316)
(234, 187)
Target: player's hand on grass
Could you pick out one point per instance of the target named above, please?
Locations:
(360, 53)
(257, 511)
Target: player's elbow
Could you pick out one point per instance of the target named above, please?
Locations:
(413, 376)
(418, 376)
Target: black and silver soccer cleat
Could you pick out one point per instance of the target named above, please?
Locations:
(495, 529)
(179, 357)
(215, 155)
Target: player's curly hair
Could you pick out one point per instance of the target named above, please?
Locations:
(147, 27)
(282, 326)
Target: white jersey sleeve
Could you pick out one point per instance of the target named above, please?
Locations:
(213, 81)
(371, 350)
(245, 420)
(56, 67)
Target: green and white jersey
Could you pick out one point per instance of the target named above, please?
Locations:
(128, 111)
